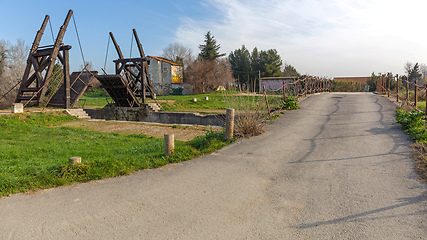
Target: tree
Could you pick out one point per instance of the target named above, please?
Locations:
(12, 65)
(414, 73)
(240, 61)
(290, 71)
(177, 53)
(3, 49)
(372, 82)
(407, 67)
(210, 50)
(206, 75)
(272, 63)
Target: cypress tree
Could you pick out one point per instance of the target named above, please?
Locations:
(210, 50)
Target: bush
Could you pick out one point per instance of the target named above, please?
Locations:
(291, 103)
(413, 123)
(348, 86)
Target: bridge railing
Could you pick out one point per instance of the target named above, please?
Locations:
(405, 91)
(295, 86)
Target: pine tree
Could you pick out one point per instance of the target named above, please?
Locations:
(240, 62)
(210, 50)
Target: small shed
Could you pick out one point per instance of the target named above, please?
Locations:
(165, 74)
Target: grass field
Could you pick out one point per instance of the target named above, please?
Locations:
(34, 152)
(96, 98)
(217, 101)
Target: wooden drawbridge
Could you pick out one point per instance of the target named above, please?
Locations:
(46, 80)
(131, 84)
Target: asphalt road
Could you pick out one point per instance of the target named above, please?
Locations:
(338, 168)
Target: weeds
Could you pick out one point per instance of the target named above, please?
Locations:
(413, 123)
(251, 114)
(291, 103)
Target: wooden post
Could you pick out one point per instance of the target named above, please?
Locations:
(169, 144)
(17, 108)
(75, 160)
(416, 92)
(284, 90)
(407, 91)
(266, 100)
(229, 124)
(425, 112)
(379, 84)
(67, 85)
(397, 88)
(305, 86)
(388, 82)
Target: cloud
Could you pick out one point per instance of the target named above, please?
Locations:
(322, 37)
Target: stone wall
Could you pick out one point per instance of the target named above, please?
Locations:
(143, 114)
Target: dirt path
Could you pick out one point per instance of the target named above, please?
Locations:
(181, 132)
(338, 168)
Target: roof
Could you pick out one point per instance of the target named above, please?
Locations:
(354, 79)
(165, 60)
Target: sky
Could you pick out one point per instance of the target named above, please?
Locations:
(318, 37)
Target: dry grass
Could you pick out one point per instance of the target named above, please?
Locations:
(251, 114)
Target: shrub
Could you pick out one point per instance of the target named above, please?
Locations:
(348, 86)
(291, 103)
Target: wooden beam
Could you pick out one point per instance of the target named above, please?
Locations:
(66, 69)
(119, 52)
(141, 51)
(33, 50)
(54, 54)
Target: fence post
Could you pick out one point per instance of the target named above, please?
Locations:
(416, 92)
(425, 112)
(378, 84)
(266, 100)
(169, 144)
(388, 82)
(17, 108)
(305, 86)
(284, 90)
(397, 88)
(407, 91)
(229, 124)
(75, 160)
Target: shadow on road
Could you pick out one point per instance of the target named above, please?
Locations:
(356, 217)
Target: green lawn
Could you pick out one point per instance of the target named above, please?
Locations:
(34, 152)
(95, 98)
(217, 101)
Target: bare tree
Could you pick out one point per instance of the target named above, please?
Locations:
(423, 70)
(177, 53)
(206, 75)
(12, 63)
(408, 67)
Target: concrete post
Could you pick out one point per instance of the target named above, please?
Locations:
(229, 124)
(17, 108)
(75, 160)
(169, 144)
